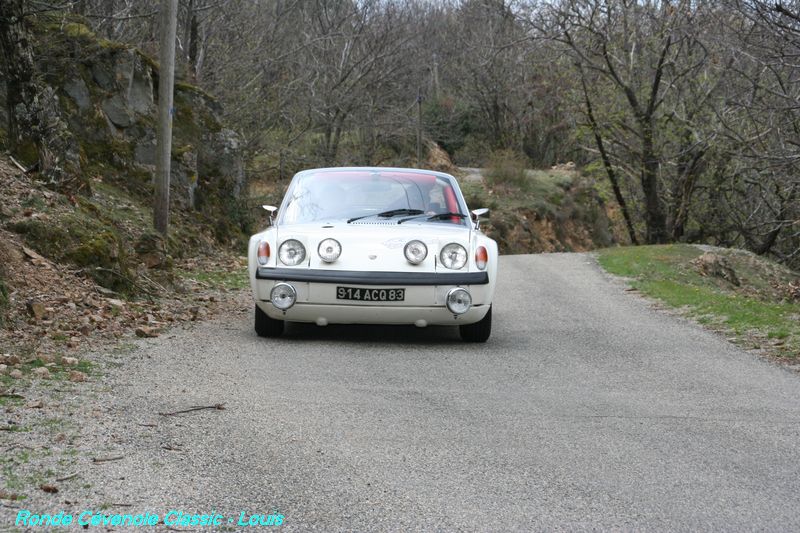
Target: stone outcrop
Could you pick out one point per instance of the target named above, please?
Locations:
(109, 92)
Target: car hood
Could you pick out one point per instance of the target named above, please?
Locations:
(376, 246)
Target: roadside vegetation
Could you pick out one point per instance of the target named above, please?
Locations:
(559, 209)
(76, 270)
(216, 278)
(754, 301)
(660, 102)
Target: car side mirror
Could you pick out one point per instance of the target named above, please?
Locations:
(272, 209)
(477, 214)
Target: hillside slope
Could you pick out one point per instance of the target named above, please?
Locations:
(752, 300)
(66, 256)
(70, 272)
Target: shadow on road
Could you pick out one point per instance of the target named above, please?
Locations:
(373, 333)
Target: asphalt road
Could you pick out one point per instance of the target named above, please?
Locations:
(586, 409)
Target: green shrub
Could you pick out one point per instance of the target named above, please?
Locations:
(507, 167)
(474, 153)
(449, 123)
(476, 195)
(3, 295)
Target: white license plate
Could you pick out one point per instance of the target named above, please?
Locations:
(370, 295)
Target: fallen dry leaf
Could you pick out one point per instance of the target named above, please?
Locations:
(41, 372)
(76, 376)
(144, 331)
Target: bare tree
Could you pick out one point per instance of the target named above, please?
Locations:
(635, 50)
(762, 127)
(689, 108)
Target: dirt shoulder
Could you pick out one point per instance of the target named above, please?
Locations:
(59, 436)
(76, 298)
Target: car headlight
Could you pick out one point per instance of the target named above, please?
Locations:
(454, 256)
(292, 252)
(283, 296)
(459, 300)
(329, 250)
(415, 252)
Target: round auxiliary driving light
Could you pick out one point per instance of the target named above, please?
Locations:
(283, 296)
(329, 250)
(416, 252)
(454, 256)
(292, 252)
(458, 301)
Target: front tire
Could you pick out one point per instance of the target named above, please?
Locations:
(266, 326)
(479, 331)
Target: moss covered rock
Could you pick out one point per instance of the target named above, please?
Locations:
(109, 94)
(84, 241)
(151, 250)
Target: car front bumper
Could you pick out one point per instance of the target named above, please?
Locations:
(424, 303)
(349, 277)
(324, 314)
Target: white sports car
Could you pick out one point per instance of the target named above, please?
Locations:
(373, 246)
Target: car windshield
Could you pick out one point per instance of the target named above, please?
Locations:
(363, 195)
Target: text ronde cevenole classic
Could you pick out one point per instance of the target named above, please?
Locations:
(171, 518)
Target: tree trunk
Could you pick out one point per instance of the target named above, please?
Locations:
(37, 131)
(193, 36)
(332, 137)
(327, 142)
(772, 237)
(688, 170)
(109, 7)
(80, 7)
(337, 137)
(612, 175)
(190, 40)
(655, 220)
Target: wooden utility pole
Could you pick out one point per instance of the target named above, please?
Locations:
(419, 127)
(166, 83)
(435, 74)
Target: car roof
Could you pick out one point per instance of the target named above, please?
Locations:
(420, 171)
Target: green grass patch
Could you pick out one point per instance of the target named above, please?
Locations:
(753, 311)
(85, 366)
(3, 298)
(58, 372)
(10, 400)
(13, 481)
(218, 279)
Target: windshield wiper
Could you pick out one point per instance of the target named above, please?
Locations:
(387, 214)
(438, 216)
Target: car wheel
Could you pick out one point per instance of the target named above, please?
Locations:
(479, 331)
(266, 326)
